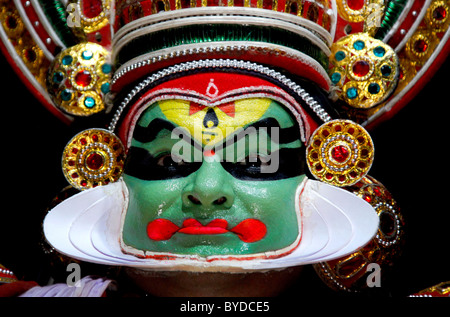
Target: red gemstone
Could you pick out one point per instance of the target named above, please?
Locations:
(355, 4)
(361, 68)
(83, 78)
(367, 198)
(94, 161)
(420, 46)
(340, 153)
(439, 13)
(91, 8)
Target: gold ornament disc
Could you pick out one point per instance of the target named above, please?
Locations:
(79, 79)
(340, 153)
(364, 70)
(93, 157)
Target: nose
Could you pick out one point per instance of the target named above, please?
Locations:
(209, 190)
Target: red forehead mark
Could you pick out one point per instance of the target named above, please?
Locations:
(194, 108)
(228, 108)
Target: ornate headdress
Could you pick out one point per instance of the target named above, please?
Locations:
(337, 65)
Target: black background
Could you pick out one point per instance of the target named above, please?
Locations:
(411, 160)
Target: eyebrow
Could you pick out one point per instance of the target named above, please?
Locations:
(286, 135)
(149, 133)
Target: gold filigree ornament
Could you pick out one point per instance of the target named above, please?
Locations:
(340, 153)
(364, 70)
(96, 17)
(93, 157)
(350, 273)
(79, 79)
(368, 11)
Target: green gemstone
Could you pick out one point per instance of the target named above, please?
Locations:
(379, 51)
(339, 56)
(359, 45)
(105, 88)
(106, 68)
(66, 95)
(87, 55)
(374, 88)
(58, 77)
(336, 77)
(352, 93)
(386, 70)
(89, 102)
(67, 60)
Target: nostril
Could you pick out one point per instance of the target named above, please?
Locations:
(220, 201)
(194, 200)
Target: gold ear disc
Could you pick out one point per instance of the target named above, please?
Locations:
(340, 153)
(93, 157)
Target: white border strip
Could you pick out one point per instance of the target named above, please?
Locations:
(47, 26)
(216, 12)
(391, 103)
(254, 21)
(30, 28)
(401, 18)
(419, 18)
(19, 62)
(196, 48)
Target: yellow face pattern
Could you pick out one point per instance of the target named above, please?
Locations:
(210, 125)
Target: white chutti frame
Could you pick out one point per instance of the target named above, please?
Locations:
(334, 223)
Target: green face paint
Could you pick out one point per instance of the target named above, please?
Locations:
(222, 204)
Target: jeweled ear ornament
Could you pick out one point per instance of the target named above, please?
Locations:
(93, 157)
(340, 153)
(79, 79)
(364, 70)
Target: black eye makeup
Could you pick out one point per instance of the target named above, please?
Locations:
(283, 159)
(141, 164)
(280, 164)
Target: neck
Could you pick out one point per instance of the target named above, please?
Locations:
(195, 284)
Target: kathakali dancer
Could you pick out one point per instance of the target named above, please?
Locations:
(223, 145)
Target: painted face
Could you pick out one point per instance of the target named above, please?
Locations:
(213, 181)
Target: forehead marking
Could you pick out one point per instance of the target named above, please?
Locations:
(212, 124)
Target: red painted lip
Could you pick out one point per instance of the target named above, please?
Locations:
(248, 230)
